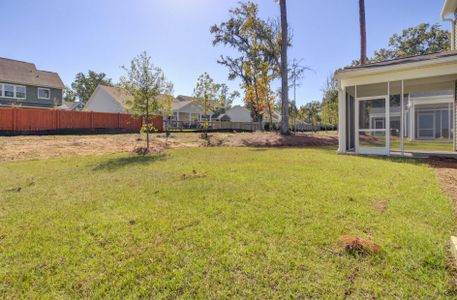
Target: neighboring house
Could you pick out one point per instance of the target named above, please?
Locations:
(22, 85)
(69, 105)
(109, 99)
(236, 114)
(242, 114)
(189, 109)
(116, 100)
(384, 106)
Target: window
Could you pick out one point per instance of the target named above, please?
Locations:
(20, 92)
(9, 91)
(44, 93)
(12, 91)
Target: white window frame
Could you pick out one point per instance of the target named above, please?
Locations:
(4, 92)
(15, 86)
(49, 90)
(15, 92)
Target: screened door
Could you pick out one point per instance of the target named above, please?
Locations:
(371, 118)
(426, 125)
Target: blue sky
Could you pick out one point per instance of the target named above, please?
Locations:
(74, 36)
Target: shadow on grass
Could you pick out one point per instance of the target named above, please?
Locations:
(393, 159)
(329, 149)
(443, 162)
(121, 162)
(292, 141)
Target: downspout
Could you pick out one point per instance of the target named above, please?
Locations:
(452, 21)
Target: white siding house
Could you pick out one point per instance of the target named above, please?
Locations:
(116, 100)
(236, 114)
(242, 114)
(108, 99)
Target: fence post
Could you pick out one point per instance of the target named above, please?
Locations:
(14, 118)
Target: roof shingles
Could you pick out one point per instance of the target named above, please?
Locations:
(19, 72)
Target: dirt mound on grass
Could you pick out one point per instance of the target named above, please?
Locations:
(356, 245)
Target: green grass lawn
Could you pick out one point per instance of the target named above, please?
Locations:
(251, 223)
(423, 145)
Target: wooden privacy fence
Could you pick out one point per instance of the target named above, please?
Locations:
(29, 120)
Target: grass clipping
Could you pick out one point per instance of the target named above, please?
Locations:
(358, 246)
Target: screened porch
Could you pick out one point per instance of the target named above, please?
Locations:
(415, 115)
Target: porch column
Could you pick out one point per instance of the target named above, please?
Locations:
(342, 119)
(402, 118)
(387, 122)
(449, 109)
(412, 121)
(455, 115)
(177, 116)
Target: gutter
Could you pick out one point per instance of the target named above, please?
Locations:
(349, 73)
(452, 21)
(447, 10)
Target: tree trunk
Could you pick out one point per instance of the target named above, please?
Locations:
(147, 125)
(270, 115)
(284, 71)
(363, 33)
(257, 99)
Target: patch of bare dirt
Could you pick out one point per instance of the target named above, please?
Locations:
(381, 205)
(446, 171)
(358, 246)
(44, 147)
(269, 139)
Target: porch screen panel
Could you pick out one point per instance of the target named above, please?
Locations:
(372, 114)
(350, 118)
(430, 114)
(372, 122)
(395, 115)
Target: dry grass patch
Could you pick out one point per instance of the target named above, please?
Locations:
(44, 147)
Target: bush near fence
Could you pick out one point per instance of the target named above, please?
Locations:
(197, 126)
(32, 120)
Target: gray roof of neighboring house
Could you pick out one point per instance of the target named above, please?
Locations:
(402, 61)
(182, 101)
(185, 98)
(19, 72)
(178, 104)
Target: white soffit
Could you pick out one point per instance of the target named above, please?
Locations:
(449, 7)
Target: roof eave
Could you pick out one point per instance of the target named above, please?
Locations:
(449, 8)
(349, 73)
(61, 87)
